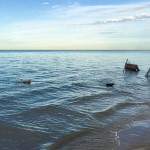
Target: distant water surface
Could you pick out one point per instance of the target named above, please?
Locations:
(68, 106)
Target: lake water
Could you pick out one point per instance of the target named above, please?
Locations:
(67, 105)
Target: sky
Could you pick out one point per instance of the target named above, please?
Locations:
(74, 24)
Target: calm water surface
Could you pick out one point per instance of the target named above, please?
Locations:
(68, 106)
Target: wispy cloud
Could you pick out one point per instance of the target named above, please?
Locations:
(119, 20)
(99, 27)
(101, 14)
(109, 32)
(75, 4)
(55, 6)
(132, 7)
(77, 10)
(45, 3)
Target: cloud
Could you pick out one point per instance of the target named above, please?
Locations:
(45, 3)
(75, 4)
(99, 14)
(132, 7)
(55, 6)
(96, 27)
(119, 20)
(77, 10)
(109, 32)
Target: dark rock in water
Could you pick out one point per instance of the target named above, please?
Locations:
(109, 84)
(26, 81)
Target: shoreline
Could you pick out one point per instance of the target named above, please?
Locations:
(136, 137)
(131, 136)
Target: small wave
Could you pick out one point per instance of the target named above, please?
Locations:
(118, 106)
(51, 109)
(80, 84)
(85, 99)
(44, 89)
(86, 85)
(123, 92)
(68, 138)
(24, 139)
(28, 92)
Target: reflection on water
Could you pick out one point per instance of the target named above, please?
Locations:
(68, 105)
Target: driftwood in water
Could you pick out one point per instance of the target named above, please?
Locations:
(148, 72)
(132, 67)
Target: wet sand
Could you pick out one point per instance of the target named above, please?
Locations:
(136, 137)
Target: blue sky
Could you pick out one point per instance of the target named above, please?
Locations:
(80, 24)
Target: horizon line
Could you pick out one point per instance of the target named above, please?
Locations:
(71, 50)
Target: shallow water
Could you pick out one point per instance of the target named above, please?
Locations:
(68, 102)
(136, 137)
